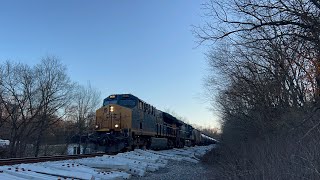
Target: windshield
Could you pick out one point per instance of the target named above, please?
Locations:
(106, 102)
(127, 102)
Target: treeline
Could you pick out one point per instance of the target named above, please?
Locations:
(41, 105)
(265, 64)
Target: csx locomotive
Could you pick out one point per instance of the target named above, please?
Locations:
(125, 122)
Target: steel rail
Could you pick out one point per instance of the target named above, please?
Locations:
(26, 160)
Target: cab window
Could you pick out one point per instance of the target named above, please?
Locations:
(127, 103)
(106, 102)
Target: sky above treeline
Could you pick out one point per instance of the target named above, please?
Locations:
(145, 48)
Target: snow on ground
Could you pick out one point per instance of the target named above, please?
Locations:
(135, 163)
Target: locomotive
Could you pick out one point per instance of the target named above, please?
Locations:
(125, 122)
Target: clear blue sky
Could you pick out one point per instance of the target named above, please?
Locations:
(145, 48)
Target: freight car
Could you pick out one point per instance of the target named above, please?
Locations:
(125, 122)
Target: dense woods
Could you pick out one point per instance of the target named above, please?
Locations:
(40, 105)
(265, 64)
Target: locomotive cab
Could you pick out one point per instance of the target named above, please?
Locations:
(114, 121)
(115, 114)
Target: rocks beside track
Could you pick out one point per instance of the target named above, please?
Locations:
(176, 170)
(138, 164)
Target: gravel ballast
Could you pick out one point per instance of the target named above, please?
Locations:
(180, 170)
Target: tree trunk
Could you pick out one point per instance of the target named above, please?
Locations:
(38, 143)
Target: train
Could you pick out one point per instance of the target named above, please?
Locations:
(125, 122)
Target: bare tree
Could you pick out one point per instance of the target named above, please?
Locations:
(54, 94)
(18, 91)
(267, 53)
(274, 42)
(248, 21)
(4, 116)
(85, 102)
(32, 99)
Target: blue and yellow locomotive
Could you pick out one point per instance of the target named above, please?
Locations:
(125, 122)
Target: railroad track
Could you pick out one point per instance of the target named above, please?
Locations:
(97, 166)
(26, 160)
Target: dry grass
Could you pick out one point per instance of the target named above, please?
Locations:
(275, 158)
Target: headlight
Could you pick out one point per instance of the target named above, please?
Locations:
(111, 108)
(116, 126)
(97, 126)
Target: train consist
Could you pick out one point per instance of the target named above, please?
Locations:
(125, 122)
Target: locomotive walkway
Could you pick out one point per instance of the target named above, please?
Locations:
(135, 163)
